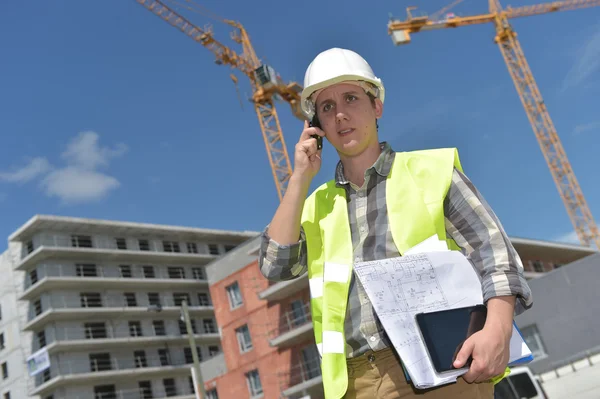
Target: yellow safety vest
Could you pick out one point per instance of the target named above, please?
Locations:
(415, 193)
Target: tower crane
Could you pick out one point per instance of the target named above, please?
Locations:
(266, 84)
(543, 127)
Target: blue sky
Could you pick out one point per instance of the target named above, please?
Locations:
(106, 111)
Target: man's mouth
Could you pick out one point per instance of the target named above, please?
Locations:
(345, 132)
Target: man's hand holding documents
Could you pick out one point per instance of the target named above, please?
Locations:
(489, 347)
(427, 278)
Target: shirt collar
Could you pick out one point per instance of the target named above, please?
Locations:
(382, 165)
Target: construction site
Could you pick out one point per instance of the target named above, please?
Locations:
(111, 308)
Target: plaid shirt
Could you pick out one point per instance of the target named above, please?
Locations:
(469, 221)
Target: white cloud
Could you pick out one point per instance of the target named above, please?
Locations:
(80, 180)
(83, 151)
(72, 184)
(586, 127)
(587, 61)
(570, 238)
(35, 167)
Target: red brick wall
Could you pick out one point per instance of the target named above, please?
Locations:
(233, 384)
(262, 318)
(250, 281)
(252, 312)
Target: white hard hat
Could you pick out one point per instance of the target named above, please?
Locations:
(334, 66)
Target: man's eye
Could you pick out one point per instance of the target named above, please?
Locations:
(350, 98)
(326, 107)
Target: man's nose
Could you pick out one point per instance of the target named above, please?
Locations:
(341, 115)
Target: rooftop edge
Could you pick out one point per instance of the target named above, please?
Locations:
(37, 220)
(553, 244)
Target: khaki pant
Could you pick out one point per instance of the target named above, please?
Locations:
(380, 375)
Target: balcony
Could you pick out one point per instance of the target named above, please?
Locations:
(210, 369)
(54, 246)
(96, 338)
(185, 393)
(284, 289)
(99, 371)
(63, 309)
(293, 327)
(213, 367)
(302, 379)
(65, 277)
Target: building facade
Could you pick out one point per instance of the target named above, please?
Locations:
(14, 382)
(102, 300)
(564, 325)
(266, 328)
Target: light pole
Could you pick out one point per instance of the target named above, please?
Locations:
(185, 315)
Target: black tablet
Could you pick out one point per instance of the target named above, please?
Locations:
(445, 331)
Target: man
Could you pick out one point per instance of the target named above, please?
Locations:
(380, 204)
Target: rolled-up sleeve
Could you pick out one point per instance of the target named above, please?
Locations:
(282, 262)
(473, 225)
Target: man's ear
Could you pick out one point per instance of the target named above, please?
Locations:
(378, 108)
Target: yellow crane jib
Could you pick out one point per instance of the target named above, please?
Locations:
(266, 84)
(533, 103)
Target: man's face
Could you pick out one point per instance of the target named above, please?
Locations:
(348, 117)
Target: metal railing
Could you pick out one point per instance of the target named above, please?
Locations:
(54, 240)
(95, 331)
(113, 272)
(291, 319)
(91, 332)
(112, 302)
(97, 242)
(555, 366)
(110, 364)
(299, 373)
(140, 394)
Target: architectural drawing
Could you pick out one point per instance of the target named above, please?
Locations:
(413, 284)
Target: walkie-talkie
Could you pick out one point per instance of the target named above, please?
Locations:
(315, 123)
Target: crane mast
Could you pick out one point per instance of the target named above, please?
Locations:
(529, 93)
(544, 130)
(266, 84)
